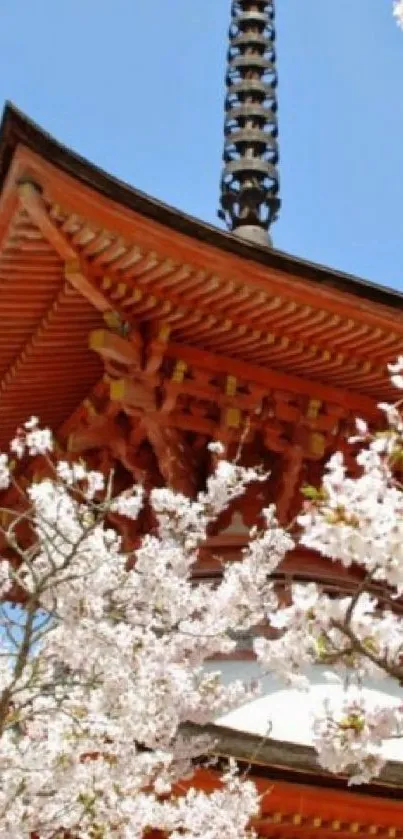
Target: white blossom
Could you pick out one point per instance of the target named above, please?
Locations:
(93, 730)
(398, 12)
(4, 472)
(114, 651)
(349, 735)
(129, 503)
(216, 447)
(32, 439)
(361, 426)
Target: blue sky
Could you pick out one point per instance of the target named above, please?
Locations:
(137, 87)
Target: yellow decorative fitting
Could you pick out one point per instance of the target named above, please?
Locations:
(134, 298)
(313, 409)
(119, 291)
(106, 283)
(317, 444)
(326, 356)
(96, 339)
(317, 822)
(336, 825)
(354, 827)
(392, 832)
(164, 332)
(297, 818)
(179, 372)
(277, 818)
(117, 390)
(373, 829)
(270, 338)
(112, 319)
(233, 417)
(227, 325)
(231, 386)
(26, 189)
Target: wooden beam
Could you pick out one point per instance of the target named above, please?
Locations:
(133, 394)
(113, 347)
(175, 457)
(9, 200)
(32, 201)
(290, 478)
(268, 378)
(96, 435)
(74, 273)
(155, 350)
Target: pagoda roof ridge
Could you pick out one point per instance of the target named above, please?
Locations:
(17, 128)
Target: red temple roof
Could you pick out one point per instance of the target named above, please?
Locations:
(122, 316)
(76, 244)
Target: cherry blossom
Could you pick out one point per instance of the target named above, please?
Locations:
(104, 665)
(349, 736)
(4, 472)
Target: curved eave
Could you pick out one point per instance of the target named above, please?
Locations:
(17, 129)
(293, 762)
(300, 801)
(76, 244)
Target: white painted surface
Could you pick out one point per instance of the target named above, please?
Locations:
(286, 714)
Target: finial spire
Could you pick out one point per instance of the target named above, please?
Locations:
(250, 182)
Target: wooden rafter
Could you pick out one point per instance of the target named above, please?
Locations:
(315, 355)
(34, 205)
(161, 276)
(34, 338)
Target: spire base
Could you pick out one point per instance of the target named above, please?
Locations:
(255, 234)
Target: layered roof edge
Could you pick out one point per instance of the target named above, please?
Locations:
(16, 128)
(292, 762)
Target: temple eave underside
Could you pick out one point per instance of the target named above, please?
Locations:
(118, 330)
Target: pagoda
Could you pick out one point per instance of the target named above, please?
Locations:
(139, 334)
